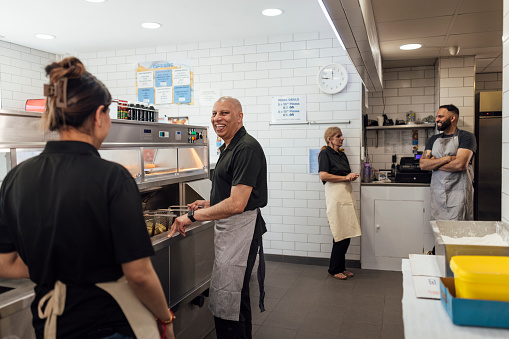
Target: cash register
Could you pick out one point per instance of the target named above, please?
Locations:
(410, 172)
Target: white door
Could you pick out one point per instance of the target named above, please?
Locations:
(398, 228)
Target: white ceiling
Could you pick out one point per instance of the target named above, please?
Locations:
(473, 25)
(80, 26)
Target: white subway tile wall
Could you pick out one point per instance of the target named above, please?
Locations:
(405, 89)
(21, 74)
(254, 70)
(485, 82)
(456, 86)
(505, 119)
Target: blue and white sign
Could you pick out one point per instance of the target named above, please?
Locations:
(146, 95)
(181, 94)
(163, 78)
(289, 109)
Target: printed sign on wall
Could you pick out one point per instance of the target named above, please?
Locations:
(289, 109)
(164, 82)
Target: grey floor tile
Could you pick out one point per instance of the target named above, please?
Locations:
(318, 324)
(371, 301)
(292, 306)
(327, 312)
(368, 315)
(366, 289)
(269, 332)
(360, 330)
(286, 320)
(392, 332)
(302, 334)
(391, 317)
(303, 302)
(393, 303)
(281, 282)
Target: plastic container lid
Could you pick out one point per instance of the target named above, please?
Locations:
(482, 269)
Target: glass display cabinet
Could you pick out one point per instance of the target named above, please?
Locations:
(155, 154)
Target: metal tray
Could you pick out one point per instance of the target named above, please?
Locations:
(458, 229)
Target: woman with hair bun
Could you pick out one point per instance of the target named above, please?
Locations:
(337, 176)
(72, 223)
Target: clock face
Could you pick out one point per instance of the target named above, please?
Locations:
(332, 78)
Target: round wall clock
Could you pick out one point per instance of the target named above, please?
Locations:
(332, 78)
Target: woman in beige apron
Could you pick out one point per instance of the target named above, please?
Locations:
(336, 175)
(76, 221)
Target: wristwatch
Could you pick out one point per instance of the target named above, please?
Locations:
(190, 215)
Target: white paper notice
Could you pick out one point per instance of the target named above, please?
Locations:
(164, 95)
(288, 109)
(399, 142)
(145, 79)
(181, 77)
(208, 97)
(425, 274)
(427, 287)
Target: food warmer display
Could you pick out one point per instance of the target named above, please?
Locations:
(170, 164)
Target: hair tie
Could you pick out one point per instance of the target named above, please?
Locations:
(59, 91)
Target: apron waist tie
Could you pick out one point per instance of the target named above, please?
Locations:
(260, 274)
(55, 304)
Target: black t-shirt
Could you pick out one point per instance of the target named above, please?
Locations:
(466, 140)
(333, 162)
(242, 162)
(74, 217)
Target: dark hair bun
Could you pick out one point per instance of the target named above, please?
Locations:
(70, 67)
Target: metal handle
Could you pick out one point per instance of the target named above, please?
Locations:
(377, 227)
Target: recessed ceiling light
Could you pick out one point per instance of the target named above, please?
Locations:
(409, 47)
(97, 1)
(151, 25)
(272, 12)
(45, 36)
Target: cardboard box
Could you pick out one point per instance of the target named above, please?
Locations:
(473, 312)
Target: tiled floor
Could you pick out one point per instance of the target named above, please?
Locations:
(303, 302)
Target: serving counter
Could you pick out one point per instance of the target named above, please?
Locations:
(170, 164)
(395, 222)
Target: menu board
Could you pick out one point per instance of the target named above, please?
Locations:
(165, 82)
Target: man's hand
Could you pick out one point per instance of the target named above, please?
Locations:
(198, 204)
(179, 225)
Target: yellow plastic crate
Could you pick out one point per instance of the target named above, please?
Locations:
(481, 277)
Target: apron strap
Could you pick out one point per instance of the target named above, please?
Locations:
(54, 307)
(260, 274)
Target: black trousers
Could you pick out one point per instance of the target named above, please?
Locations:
(242, 329)
(337, 257)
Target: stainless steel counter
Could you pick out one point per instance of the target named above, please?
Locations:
(395, 184)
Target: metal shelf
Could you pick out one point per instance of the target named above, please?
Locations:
(400, 127)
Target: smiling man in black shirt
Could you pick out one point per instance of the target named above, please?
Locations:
(239, 190)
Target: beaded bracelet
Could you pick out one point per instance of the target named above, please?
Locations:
(169, 321)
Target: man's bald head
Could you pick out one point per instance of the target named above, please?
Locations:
(235, 102)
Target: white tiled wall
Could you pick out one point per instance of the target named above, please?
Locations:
(21, 74)
(254, 70)
(405, 89)
(505, 120)
(457, 76)
(485, 82)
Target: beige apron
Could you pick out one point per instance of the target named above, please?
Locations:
(341, 210)
(232, 240)
(142, 321)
